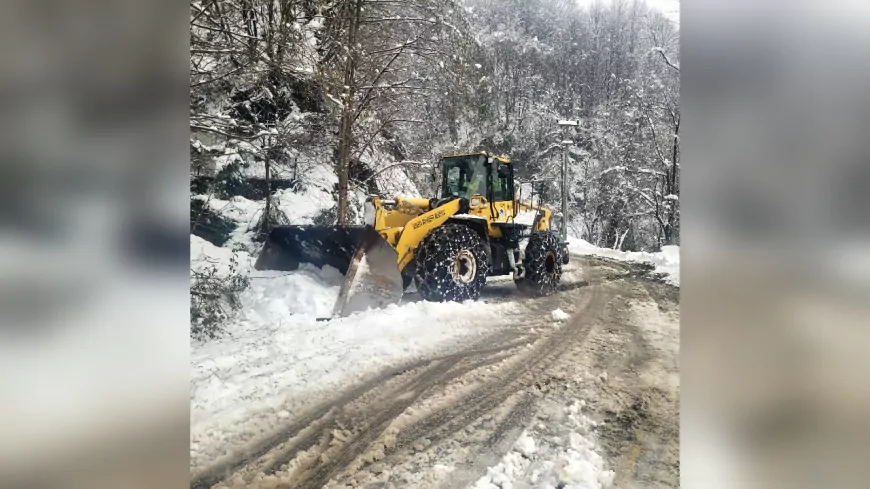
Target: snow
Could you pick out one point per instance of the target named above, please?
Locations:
(569, 460)
(526, 217)
(302, 207)
(512, 467)
(204, 255)
(666, 261)
(337, 102)
(244, 212)
(395, 182)
(525, 445)
(560, 315)
(582, 465)
(277, 360)
(308, 290)
(237, 208)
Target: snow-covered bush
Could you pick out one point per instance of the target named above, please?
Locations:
(214, 297)
(329, 217)
(230, 182)
(209, 225)
(274, 217)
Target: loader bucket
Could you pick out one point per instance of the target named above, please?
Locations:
(289, 246)
(368, 262)
(372, 279)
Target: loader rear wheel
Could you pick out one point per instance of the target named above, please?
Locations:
(543, 265)
(451, 264)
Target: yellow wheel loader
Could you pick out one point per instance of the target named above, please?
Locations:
(446, 245)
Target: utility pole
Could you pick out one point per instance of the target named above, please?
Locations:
(565, 144)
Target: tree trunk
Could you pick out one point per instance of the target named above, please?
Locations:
(345, 132)
(622, 239)
(267, 212)
(452, 126)
(250, 19)
(344, 145)
(270, 37)
(671, 236)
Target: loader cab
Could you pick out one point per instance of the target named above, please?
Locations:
(477, 174)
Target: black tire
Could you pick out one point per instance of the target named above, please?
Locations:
(543, 263)
(451, 264)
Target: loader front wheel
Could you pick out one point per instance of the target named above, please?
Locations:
(451, 264)
(543, 263)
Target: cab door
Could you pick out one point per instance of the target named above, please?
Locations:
(502, 184)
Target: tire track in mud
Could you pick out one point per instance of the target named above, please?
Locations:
(639, 406)
(302, 434)
(397, 399)
(318, 456)
(389, 406)
(512, 379)
(442, 424)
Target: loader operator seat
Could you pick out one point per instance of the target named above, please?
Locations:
(477, 185)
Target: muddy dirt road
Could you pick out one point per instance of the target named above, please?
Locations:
(608, 370)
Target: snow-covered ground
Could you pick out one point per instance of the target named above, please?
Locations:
(667, 261)
(560, 453)
(277, 360)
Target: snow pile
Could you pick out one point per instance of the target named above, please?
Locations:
(666, 262)
(278, 361)
(560, 315)
(569, 460)
(512, 467)
(581, 466)
(309, 291)
(525, 445)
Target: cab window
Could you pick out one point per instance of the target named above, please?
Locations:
(502, 182)
(464, 176)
